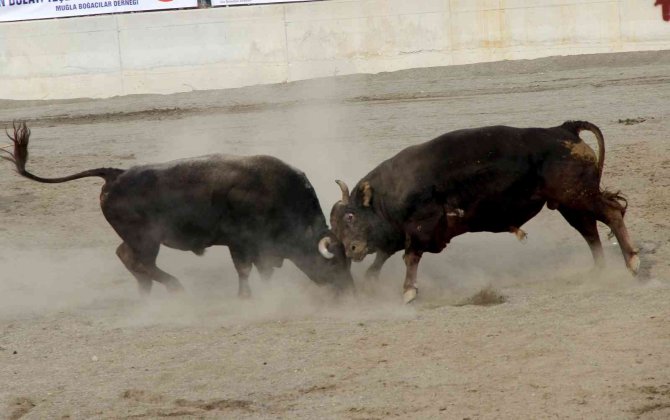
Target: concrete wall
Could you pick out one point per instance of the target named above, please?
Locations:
(174, 51)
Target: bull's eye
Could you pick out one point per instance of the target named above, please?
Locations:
(349, 218)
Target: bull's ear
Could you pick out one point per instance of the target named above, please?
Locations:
(367, 193)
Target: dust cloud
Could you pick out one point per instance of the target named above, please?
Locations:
(318, 139)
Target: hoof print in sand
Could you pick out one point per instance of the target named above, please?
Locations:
(211, 405)
(20, 407)
(486, 297)
(659, 400)
(183, 407)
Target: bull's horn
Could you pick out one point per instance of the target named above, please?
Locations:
(323, 248)
(345, 191)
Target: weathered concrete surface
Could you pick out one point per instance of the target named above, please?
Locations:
(178, 51)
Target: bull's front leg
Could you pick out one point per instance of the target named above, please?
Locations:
(411, 259)
(243, 265)
(373, 271)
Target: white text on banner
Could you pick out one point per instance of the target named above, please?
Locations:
(15, 10)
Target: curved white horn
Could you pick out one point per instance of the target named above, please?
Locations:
(323, 248)
(345, 191)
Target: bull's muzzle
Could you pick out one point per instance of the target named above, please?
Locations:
(356, 250)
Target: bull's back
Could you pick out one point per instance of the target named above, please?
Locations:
(195, 203)
(483, 167)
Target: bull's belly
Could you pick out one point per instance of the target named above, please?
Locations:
(501, 217)
(197, 248)
(197, 240)
(191, 238)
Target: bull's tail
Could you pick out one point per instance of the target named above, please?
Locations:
(614, 198)
(579, 126)
(20, 158)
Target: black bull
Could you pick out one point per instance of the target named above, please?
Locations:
(491, 179)
(264, 210)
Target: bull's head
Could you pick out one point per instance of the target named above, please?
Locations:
(330, 265)
(352, 220)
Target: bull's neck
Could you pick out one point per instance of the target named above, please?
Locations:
(390, 235)
(309, 260)
(305, 253)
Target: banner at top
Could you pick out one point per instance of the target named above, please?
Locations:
(239, 2)
(13, 10)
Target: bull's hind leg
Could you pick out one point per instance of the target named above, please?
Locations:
(585, 223)
(128, 259)
(610, 212)
(168, 280)
(141, 262)
(243, 264)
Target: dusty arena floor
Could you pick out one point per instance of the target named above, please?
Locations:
(77, 342)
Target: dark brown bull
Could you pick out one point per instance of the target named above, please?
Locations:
(490, 179)
(264, 210)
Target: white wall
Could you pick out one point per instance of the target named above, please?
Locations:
(175, 51)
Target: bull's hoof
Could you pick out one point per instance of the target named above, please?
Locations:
(634, 265)
(374, 276)
(244, 293)
(174, 287)
(409, 295)
(596, 270)
(521, 236)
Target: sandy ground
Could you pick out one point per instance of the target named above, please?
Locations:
(77, 342)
